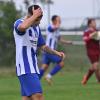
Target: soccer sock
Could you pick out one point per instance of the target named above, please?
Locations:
(49, 76)
(90, 72)
(41, 73)
(56, 69)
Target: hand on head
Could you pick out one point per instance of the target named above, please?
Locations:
(38, 12)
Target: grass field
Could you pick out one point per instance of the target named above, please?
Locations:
(67, 83)
(66, 86)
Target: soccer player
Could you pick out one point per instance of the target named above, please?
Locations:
(93, 50)
(28, 37)
(52, 39)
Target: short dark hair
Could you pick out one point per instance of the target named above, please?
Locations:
(54, 17)
(90, 20)
(31, 7)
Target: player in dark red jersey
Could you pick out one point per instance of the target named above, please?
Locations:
(93, 50)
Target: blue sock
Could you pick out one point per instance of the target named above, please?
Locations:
(41, 73)
(56, 69)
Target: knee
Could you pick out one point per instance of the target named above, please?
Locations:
(38, 96)
(95, 67)
(45, 67)
(61, 64)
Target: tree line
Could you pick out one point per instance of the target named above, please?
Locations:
(8, 14)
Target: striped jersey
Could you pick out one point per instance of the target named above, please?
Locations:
(52, 37)
(26, 48)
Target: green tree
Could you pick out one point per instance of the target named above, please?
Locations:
(8, 14)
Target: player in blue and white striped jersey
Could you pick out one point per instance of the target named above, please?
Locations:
(52, 39)
(28, 38)
(52, 36)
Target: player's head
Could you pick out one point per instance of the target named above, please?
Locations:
(30, 12)
(91, 23)
(56, 19)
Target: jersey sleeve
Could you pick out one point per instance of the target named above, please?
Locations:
(41, 40)
(16, 25)
(50, 29)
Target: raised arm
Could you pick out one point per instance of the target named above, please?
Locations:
(88, 36)
(62, 40)
(30, 20)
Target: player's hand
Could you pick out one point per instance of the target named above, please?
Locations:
(38, 12)
(69, 42)
(62, 55)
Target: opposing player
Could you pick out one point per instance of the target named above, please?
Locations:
(52, 39)
(28, 37)
(93, 50)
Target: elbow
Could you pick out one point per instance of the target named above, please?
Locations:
(43, 47)
(22, 28)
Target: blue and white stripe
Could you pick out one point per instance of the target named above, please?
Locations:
(26, 48)
(52, 37)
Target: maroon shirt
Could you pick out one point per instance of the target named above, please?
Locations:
(92, 45)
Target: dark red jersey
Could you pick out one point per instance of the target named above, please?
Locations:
(92, 45)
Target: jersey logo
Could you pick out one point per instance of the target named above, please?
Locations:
(33, 36)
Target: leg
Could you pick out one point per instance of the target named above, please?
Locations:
(30, 87)
(87, 76)
(94, 59)
(95, 63)
(57, 68)
(97, 71)
(59, 64)
(45, 64)
(54, 71)
(37, 96)
(25, 98)
(43, 69)
(93, 69)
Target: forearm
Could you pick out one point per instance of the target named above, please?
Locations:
(49, 50)
(92, 34)
(88, 37)
(27, 23)
(65, 41)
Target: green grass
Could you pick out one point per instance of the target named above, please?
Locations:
(76, 58)
(66, 86)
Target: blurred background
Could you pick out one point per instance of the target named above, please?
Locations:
(73, 17)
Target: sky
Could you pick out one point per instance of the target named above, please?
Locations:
(72, 12)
